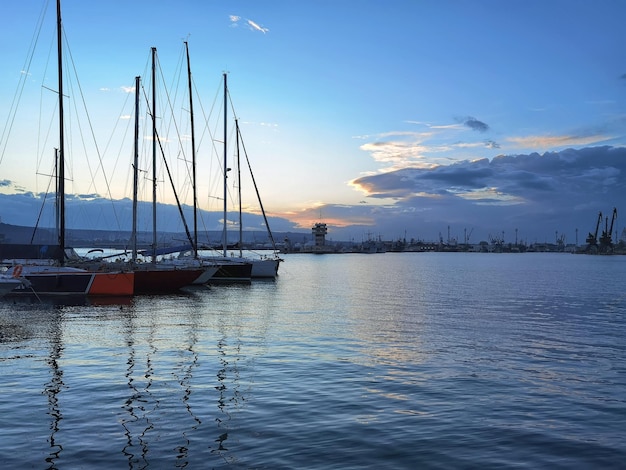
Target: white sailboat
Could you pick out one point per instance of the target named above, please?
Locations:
(232, 267)
(264, 266)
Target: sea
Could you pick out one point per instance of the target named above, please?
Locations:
(346, 361)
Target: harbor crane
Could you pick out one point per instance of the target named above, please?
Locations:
(592, 238)
(606, 240)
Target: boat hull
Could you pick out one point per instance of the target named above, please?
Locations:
(8, 284)
(207, 275)
(233, 272)
(156, 280)
(78, 283)
(264, 268)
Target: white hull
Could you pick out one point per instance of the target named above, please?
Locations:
(261, 267)
(8, 284)
(264, 268)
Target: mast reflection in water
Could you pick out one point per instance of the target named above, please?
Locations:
(136, 424)
(54, 387)
(228, 398)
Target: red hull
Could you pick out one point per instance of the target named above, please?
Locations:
(117, 284)
(149, 280)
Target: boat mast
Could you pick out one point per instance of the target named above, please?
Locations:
(239, 189)
(57, 217)
(225, 241)
(61, 157)
(154, 148)
(193, 160)
(135, 171)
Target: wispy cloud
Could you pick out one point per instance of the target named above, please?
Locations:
(555, 141)
(403, 149)
(424, 149)
(257, 27)
(252, 25)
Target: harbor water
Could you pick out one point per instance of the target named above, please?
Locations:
(353, 361)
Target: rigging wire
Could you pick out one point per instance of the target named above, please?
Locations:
(24, 73)
(95, 143)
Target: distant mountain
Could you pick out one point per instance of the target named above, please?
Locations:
(83, 238)
(91, 212)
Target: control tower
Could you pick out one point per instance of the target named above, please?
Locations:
(319, 233)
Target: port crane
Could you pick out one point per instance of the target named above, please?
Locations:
(606, 241)
(592, 238)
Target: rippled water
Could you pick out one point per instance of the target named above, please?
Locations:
(424, 360)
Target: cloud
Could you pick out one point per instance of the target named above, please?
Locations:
(256, 27)
(570, 173)
(406, 148)
(539, 194)
(395, 151)
(253, 25)
(475, 124)
(440, 144)
(547, 141)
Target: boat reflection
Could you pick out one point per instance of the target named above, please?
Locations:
(230, 396)
(172, 380)
(187, 365)
(68, 300)
(54, 387)
(137, 423)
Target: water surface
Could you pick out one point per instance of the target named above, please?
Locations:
(412, 360)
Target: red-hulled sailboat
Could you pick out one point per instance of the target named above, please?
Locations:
(52, 276)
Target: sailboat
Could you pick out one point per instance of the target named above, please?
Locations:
(55, 277)
(266, 266)
(229, 269)
(158, 276)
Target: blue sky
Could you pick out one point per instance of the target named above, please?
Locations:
(398, 118)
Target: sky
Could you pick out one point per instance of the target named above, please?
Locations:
(421, 119)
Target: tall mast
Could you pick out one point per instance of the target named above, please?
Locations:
(135, 171)
(154, 170)
(61, 157)
(239, 189)
(57, 217)
(225, 242)
(193, 160)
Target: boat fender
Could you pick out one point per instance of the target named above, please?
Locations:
(17, 271)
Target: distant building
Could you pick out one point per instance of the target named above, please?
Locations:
(319, 233)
